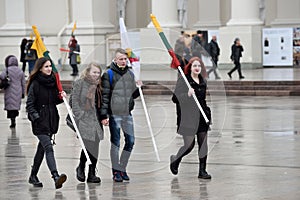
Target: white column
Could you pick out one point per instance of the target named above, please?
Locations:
(16, 18)
(246, 25)
(208, 14)
(244, 12)
(165, 12)
(287, 13)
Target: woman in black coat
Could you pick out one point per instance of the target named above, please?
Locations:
(43, 96)
(190, 121)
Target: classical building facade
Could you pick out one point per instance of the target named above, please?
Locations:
(97, 24)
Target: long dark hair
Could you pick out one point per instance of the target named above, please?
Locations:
(187, 68)
(36, 70)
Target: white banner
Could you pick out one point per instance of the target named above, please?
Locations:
(277, 46)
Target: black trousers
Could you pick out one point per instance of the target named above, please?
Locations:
(237, 67)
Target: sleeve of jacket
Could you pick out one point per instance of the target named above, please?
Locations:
(77, 108)
(33, 114)
(106, 93)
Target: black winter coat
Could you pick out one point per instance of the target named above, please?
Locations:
(213, 50)
(189, 118)
(236, 52)
(43, 96)
(118, 98)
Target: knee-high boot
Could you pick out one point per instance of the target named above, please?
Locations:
(92, 178)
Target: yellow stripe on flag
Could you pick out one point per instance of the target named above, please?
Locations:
(38, 43)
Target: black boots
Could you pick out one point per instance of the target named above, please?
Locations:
(12, 123)
(80, 172)
(33, 179)
(58, 179)
(92, 178)
(174, 164)
(202, 171)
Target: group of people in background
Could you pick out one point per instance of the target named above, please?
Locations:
(202, 48)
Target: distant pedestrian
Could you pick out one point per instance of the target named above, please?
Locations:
(179, 50)
(214, 52)
(199, 45)
(30, 55)
(86, 102)
(74, 48)
(23, 54)
(236, 54)
(15, 92)
(190, 122)
(43, 96)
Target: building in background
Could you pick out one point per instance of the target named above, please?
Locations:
(97, 23)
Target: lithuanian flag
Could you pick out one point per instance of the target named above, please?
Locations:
(175, 62)
(42, 51)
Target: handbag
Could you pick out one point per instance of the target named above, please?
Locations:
(78, 59)
(4, 83)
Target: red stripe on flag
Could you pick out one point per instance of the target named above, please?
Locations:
(175, 62)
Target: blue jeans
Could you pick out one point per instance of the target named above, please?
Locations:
(117, 122)
(44, 147)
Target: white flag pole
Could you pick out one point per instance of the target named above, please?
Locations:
(77, 131)
(126, 44)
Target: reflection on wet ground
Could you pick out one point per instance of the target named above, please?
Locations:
(253, 154)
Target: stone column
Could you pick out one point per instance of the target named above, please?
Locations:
(208, 14)
(93, 23)
(246, 25)
(287, 13)
(16, 19)
(153, 51)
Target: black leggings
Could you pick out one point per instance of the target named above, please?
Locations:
(189, 143)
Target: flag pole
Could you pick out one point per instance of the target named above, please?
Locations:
(77, 130)
(170, 50)
(149, 123)
(123, 32)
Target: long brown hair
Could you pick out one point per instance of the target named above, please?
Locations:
(36, 70)
(187, 68)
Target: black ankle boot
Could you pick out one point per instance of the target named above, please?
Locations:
(80, 172)
(92, 178)
(202, 172)
(58, 179)
(174, 164)
(12, 123)
(33, 179)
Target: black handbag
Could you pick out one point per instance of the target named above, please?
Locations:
(4, 83)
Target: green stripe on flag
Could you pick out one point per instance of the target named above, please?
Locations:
(165, 40)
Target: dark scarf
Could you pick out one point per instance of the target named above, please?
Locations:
(46, 80)
(94, 90)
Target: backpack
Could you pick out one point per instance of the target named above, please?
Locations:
(111, 76)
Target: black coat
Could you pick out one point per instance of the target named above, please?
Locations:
(236, 52)
(43, 96)
(214, 50)
(118, 98)
(189, 118)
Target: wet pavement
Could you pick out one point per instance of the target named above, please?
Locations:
(253, 154)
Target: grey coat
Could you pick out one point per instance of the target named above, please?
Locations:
(13, 94)
(86, 120)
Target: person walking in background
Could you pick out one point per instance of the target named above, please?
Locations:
(199, 45)
(43, 96)
(22, 54)
(236, 54)
(30, 55)
(214, 51)
(119, 91)
(74, 48)
(85, 102)
(15, 92)
(190, 121)
(179, 50)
